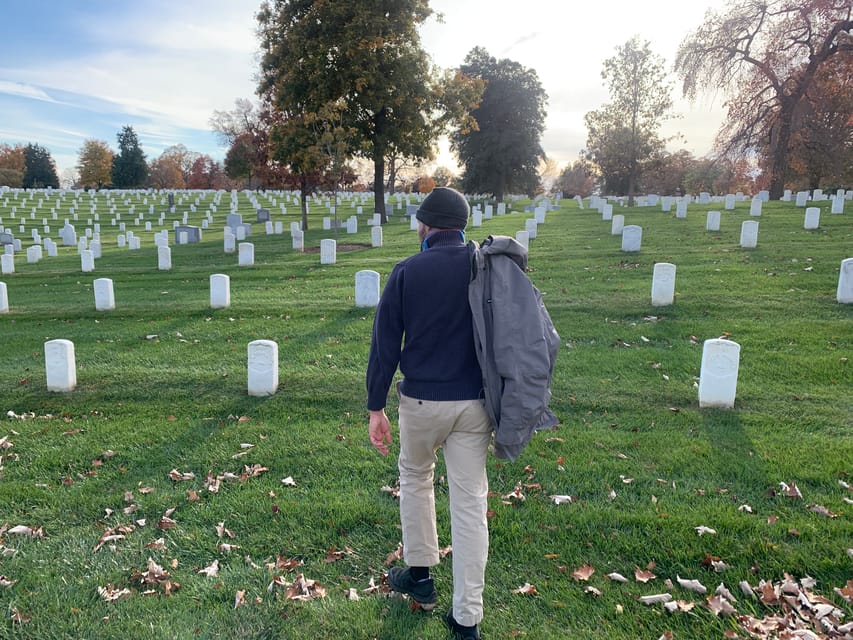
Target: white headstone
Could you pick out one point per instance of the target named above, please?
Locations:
(666, 204)
(352, 224)
(376, 236)
(749, 234)
(681, 209)
(87, 261)
(837, 204)
(230, 243)
(413, 223)
(241, 232)
(530, 226)
(617, 224)
(718, 375)
(105, 299)
(812, 218)
(246, 254)
(33, 254)
(802, 198)
(845, 282)
(220, 291)
(712, 221)
(539, 214)
(476, 219)
(263, 368)
(297, 241)
(755, 206)
(327, 224)
(632, 237)
(607, 212)
(164, 258)
(121, 240)
(366, 288)
(328, 251)
(95, 248)
(60, 365)
(523, 238)
(663, 284)
(730, 201)
(4, 298)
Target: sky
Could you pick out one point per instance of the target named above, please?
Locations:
(77, 70)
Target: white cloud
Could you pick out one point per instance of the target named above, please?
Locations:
(24, 91)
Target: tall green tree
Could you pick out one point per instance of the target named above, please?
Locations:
(365, 56)
(95, 164)
(624, 134)
(39, 168)
(130, 170)
(766, 54)
(501, 153)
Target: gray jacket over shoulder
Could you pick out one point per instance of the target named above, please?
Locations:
(515, 342)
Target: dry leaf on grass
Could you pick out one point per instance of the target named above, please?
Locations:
(656, 598)
(691, 585)
(111, 593)
(526, 589)
(643, 576)
(583, 573)
(617, 577)
(211, 570)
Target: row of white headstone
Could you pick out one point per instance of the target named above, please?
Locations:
(717, 378)
(367, 291)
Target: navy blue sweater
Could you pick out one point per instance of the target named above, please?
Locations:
(423, 324)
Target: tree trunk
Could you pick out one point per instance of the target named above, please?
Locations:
(779, 166)
(303, 187)
(379, 186)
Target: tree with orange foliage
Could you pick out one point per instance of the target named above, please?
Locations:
(768, 54)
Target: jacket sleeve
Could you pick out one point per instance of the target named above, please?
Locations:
(525, 346)
(386, 341)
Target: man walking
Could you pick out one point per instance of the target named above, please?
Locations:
(423, 324)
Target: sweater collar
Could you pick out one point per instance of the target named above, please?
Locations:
(443, 238)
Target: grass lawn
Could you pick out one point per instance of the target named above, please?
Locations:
(160, 500)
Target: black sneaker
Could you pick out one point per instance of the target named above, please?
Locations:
(421, 591)
(457, 631)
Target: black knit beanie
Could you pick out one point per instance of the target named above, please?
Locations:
(444, 208)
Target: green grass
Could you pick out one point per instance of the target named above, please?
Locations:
(624, 388)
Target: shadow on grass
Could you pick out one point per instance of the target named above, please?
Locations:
(733, 450)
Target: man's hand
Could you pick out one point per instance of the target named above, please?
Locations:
(380, 431)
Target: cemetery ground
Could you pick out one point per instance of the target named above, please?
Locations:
(160, 500)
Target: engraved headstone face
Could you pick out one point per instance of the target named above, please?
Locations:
(812, 218)
(681, 209)
(845, 282)
(617, 224)
(328, 251)
(246, 254)
(104, 295)
(755, 207)
(352, 224)
(607, 212)
(376, 236)
(718, 375)
(663, 284)
(297, 241)
(749, 234)
(262, 368)
(164, 258)
(220, 291)
(523, 238)
(712, 221)
(366, 288)
(632, 237)
(87, 261)
(60, 365)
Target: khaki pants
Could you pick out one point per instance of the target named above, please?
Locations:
(464, 430)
